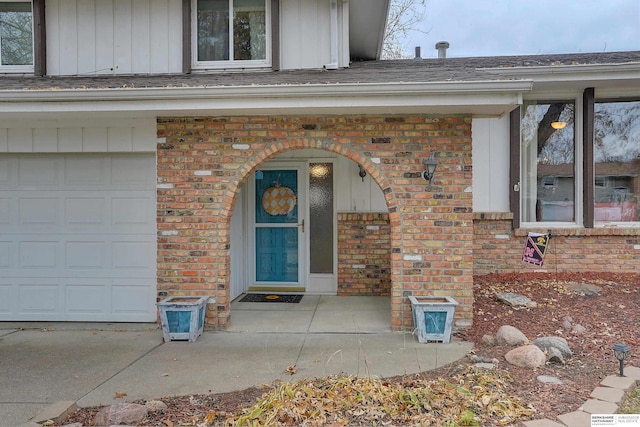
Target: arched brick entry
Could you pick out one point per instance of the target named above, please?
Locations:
(203, 162)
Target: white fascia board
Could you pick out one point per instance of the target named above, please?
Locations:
(255, 98)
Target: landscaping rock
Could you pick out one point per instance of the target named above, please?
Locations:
(528, 356)
(488, 340)
(515, 300)
(556, 342)
(584, 289)
(508, 335)
(554, 355)
(120, 413)
(487, 366)
(549, 380)
(578, 330)
(156, 406)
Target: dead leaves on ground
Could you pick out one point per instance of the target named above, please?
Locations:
(474, 397)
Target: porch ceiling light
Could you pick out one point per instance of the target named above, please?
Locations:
(430, 166)
(621, 351)
(558, 125)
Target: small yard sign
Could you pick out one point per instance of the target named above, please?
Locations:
(535, 248)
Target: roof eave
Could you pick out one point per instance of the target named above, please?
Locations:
(448, 97)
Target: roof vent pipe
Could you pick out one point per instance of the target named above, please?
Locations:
(417, 57)
(442, 49)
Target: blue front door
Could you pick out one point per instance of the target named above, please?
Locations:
(278, 226)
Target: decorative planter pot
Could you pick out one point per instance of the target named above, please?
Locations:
(433, 317)
(182, 318)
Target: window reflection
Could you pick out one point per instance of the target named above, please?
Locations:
(617, 161)
(548, 153)
(16, 33)
(242, 39)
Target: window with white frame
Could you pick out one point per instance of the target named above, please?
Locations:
(231, 33)
(16, 35)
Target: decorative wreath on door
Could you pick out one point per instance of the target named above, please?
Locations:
(278, 200)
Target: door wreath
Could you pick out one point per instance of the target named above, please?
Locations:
(278, 200)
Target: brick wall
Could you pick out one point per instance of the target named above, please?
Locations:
(498, 248)
(203, 161)
(364, 254)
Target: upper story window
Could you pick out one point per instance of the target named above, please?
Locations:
(16, 36)
(231, 34)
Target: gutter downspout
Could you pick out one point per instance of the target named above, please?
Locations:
(333, 35)
(345, 54)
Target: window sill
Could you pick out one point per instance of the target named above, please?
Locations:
(493, 216)
(230, 67)
(618, 230)
(19, 71)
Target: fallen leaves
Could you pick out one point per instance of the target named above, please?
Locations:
(471, 398)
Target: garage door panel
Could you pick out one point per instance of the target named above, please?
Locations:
(87, 211)
(132, 254)
(38, 211)
(133, 298)
(38, 254)
(5, 172)
(87, 297)
(5, 210)
(84, 171)
(41, 171)
(5, 256)
(130, 211)
(6, 299)
(132, 171)
(85, 255)
(40, 297)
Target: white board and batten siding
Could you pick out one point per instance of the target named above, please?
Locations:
(78, 222)
(114, 37)
(110, 37)
(490, 153)
(306, 34)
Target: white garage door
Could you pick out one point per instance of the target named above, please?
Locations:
(77, 237)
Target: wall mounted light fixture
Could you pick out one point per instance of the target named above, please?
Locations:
(430, 166)
(362, 173)
(558, 125)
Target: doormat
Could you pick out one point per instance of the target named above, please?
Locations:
(271, 298)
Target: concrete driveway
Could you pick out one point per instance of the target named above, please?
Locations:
(48, 366)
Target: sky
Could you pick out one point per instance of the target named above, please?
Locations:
(527, 27)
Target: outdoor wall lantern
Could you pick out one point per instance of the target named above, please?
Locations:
(621, 351)
(430, 166)
(362, 173)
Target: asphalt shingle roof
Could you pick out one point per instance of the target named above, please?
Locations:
(409, 71)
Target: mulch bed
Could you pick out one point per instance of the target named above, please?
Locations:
(610, 316)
